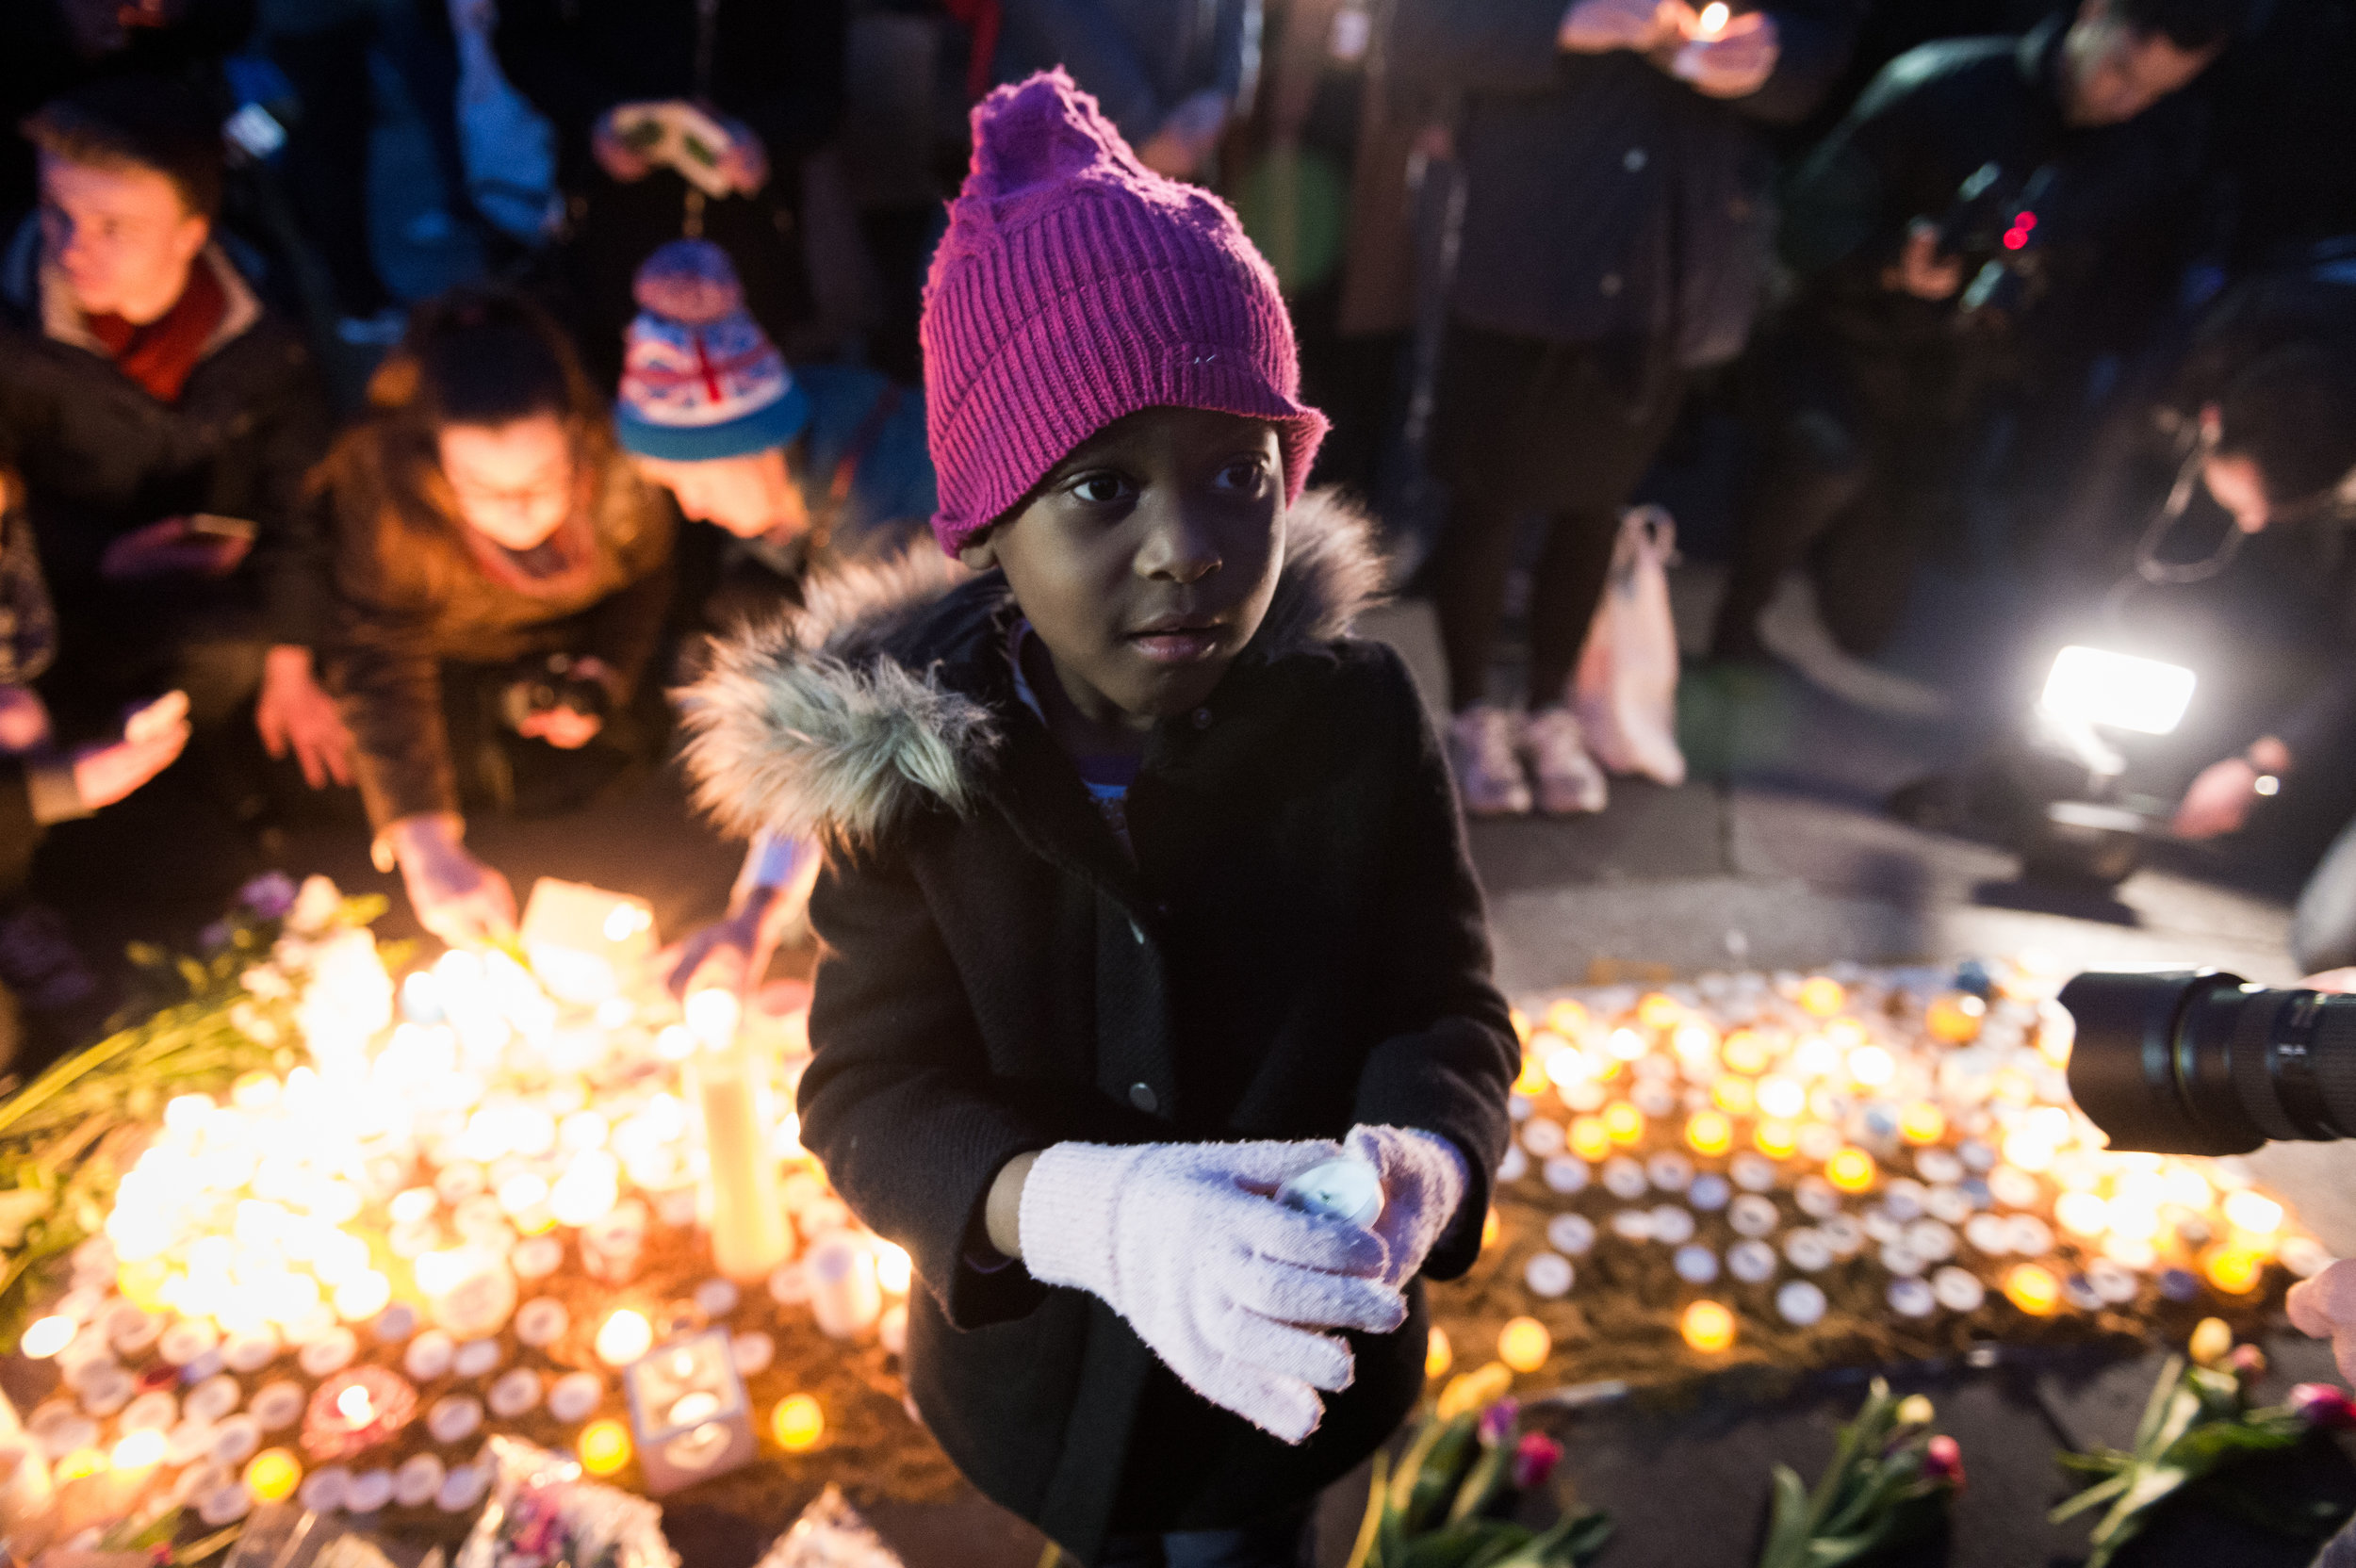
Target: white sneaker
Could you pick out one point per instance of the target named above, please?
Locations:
(1484, 753)
(1569, 782)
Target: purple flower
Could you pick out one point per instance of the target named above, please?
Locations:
(1534, 1459)
(268, 895)
(2322, 1405)
(1942, 1461)
(1496, 1422)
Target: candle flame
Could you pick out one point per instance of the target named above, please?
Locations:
(1714, 18)
(354, 1406)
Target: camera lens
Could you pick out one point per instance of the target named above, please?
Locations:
(2202, 1062)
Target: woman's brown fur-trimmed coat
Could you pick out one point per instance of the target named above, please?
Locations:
(1299, 946)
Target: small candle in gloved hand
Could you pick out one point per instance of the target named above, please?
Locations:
(1344, 1189)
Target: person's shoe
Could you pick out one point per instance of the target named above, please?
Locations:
(1485, 754)
(1569, 781)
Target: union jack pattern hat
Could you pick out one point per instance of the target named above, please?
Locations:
(700, 380)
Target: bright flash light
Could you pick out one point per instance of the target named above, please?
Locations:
(2118, 691)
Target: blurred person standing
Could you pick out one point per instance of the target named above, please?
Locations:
(165, 421)
(1168, 73)
(1615, 236)
(1923, 304)
(767, 72)
(501, 577)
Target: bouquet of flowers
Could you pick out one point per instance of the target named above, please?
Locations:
(1888, 1482)
(2198, 1422)
(233, 1008)
(1449, 1500)
(543, 1515)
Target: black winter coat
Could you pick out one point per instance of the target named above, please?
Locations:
(1605, 201)
(1298, 947)
(101, 457)
(2116, 227)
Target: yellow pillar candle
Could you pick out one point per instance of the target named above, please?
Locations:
(750, 1235)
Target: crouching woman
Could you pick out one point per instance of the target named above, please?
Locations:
(502, 577)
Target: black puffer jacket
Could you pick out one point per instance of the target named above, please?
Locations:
(101, 457)
(1299, 946)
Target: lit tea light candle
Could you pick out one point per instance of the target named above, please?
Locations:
(625, 1337)
(44, 1337)
(273, 1474)
(2253, 1213)
(1589, 1139)
(2235, 1270)
(797, 1423)
(1775, 1139)
(1851, 1171)
(1922, 1122)
(1744, 1052)
(1707, 1326)
(1734, 1095)
(1712, 20)
(1524, 1344)
(604, 1447)
(2033, 1289)
(1623, 1123)
(1821, 996)
(1710, 1133)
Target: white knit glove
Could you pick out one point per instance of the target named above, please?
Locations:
(1185, 1241)
(1423, 1183)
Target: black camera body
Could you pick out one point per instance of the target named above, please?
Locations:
(1998, 227)
(2202, 1062)
(543, 686)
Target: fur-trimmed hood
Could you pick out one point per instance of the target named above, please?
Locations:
(840, 718)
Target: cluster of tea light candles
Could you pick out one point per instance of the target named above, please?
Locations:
(399, 1198)
(1929, 1133)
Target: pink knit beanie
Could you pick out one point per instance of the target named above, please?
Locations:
(1076, 286)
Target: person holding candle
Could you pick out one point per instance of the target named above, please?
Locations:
(1145, 890)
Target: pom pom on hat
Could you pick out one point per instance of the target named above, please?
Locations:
(1074, 287)
(700, 380)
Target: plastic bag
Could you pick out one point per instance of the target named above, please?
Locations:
(1625, 687)
(830, 1534)
(542, 1514)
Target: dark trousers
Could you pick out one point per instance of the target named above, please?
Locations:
(1855, 448)
(1521, 427)
(1287, 1541)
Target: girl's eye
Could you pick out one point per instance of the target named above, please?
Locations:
(1245, 473)
(1096, 489)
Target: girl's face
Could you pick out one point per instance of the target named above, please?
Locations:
(513, 482)
(1147, 558)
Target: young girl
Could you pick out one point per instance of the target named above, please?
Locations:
(1146, 890)
(502, 577)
